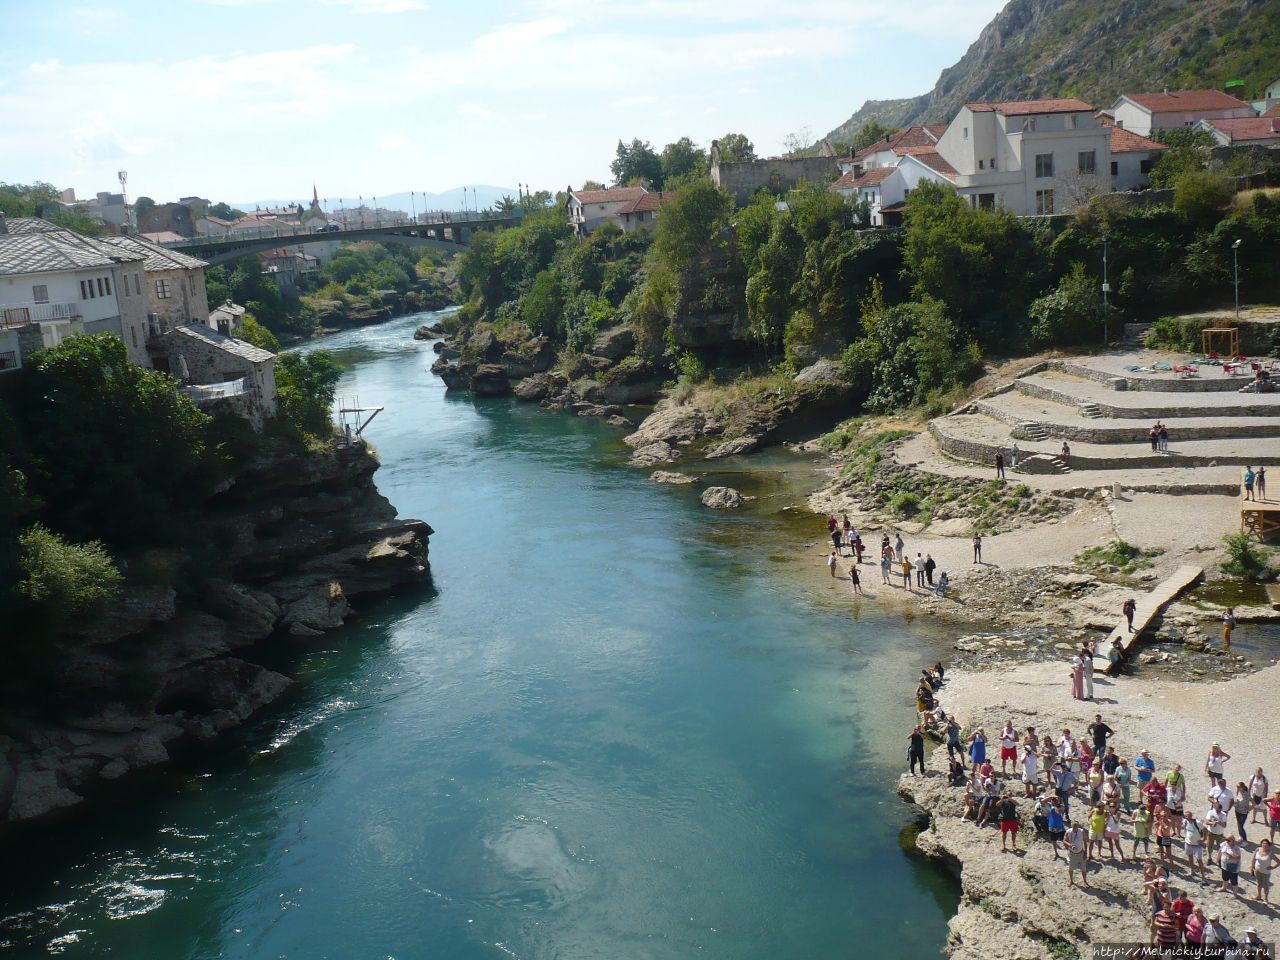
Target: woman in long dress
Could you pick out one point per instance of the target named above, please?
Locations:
(1077, 677)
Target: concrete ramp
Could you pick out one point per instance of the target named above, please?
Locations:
(1149, 605)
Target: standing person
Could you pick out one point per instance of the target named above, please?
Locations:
(1013, 456)
(1164, 931)
(1264, 861)
(915, 750)
(1057, 827)
(1030, 769)
(1008, 748)
(1164, 439)
(978, 748)
(1077, 677)
(899, 548)
(1146, 768)
(885, 564)
(1141, 821)
(1249, 478)
(847, 529)
(1241, 804)
(953, 738)
(1129, 609)
(1215, 765)
(929, 567)
(1273, 814)
(1181, 909)
(918, 563)
(1258, 790)
(1112, 834)
(1260, 482)
(1215, 825)
(1164, 836)
(1086, 660)
(999, 465)
(858, 547)
(1193, 842)
(835, 538)
(1154, 436)
(1101, 733)
(977, 548)
(1076, 842)
(1228, 624)
(1008, 822)
(1124, 779)
(1064, 781)
(831, 563)
(1194, 932)
(855, 581)
(1229, 861)
(906, 574)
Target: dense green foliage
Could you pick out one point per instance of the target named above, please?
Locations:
(305, 386)
(66, 579)
(43, 200)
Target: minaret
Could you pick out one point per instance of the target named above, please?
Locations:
(315, 198)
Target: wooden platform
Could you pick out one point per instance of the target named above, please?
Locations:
(1273, 595)
(1148, 605)
(1260, 518)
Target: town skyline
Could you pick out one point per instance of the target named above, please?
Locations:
(371, 85)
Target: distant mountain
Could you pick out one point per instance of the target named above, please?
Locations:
(1095, 50)
(485, 196)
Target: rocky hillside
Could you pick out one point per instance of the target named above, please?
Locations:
(287, 545)
(1095, 49)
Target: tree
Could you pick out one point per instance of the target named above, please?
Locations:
(636, 162)
(682, 158)
(798, 141)
(735, 148)
(507, 205)
(1188, 150)
(224, 211)
(1069, 315)
(143, 205)
(1202, 195)
(251, 331)
(693, 223)
(306, 384)
(869, 133)
(592, 185)
(66, 579)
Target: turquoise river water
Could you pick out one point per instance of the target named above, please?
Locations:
(616, 726)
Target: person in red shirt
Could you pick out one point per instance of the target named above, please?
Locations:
(1181, 909)
(1164, 930)
(1154, 794)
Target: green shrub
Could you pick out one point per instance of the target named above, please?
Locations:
(305, 388)
(1244, 557)
(1125, 557)
(66, 579)
(905, 504)
(843, 435)
(691, 367)
(1173, 333)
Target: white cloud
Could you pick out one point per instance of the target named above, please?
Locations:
(45, 66)
(520, 36)
(378, 6)
(475, 112)
(395, 141)
(638, 100)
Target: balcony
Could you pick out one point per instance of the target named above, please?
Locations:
(20, 314)
(208, 392)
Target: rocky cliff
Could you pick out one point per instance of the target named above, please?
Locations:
(1096, 49)
(284, 550)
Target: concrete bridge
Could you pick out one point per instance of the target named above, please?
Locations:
(450, 234)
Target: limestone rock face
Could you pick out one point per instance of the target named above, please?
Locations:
(721, 498)
(37, 793)
(731, 448)
(668, 425)
(669, 476)
(653, 453)
(614, 343)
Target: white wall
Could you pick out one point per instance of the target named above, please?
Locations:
(1133, 117)
(1129, 175)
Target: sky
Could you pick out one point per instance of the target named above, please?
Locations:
(245, 99)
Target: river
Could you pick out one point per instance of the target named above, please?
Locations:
(618, 725)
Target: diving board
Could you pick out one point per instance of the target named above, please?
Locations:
(1148, 606)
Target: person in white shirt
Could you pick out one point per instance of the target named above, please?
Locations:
(1215, 823)
(1215, 765)
(1030, 769)
(1008, 747)
(1194, 831)
(1076, 840)
(1258, 791)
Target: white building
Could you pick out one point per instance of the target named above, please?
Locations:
(174, 284)
(588, 209)
(1143, 113)
(1033, 157)
(55, 283)
(1132, 157)
(1243, 132)
(884, 189)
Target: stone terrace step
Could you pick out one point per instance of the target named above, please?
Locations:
(921, 453)
(977, 437)
(1103, 369)
(1146, 405)
(1069, 423)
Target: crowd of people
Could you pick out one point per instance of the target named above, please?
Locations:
(918, 574)
(1096, 807)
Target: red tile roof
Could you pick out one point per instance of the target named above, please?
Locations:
(936, 129)
(1273, 112)
(935, 162)
(914, 136)
(1248, 128)
(1022, 108)
(868, 178)
(895, 207)
(1126, 141)
(650, 201)
(1182, 101)
(612, 195)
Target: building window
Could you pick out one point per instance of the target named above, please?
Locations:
(84, 294)
(1145, 166)
(137, 284)
(133, 332)
(986, 201)
(1071, 121)
(1087, 162)
(40, 293)
(107, 281)
(1044, 165)
(980, 164)
(162, 290)
(102, 290)
(9, 360)
(993, 163)
(966, 133)
(1029, 125)
(1115, 169)
(1044, 202)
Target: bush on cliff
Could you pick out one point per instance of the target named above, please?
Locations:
(305, 389)
(67, 579)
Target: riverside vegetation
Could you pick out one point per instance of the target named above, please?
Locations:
(143, 541)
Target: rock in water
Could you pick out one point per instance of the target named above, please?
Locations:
(731, 448)
(670, 476)
(721, 498)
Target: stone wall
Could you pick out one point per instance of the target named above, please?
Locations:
(1033, 389)
(777, 175)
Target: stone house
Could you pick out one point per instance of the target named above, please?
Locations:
(55, 283)
(742, 178)
(213, 367)
(1143, 113)
(589, 209)
(174, 285)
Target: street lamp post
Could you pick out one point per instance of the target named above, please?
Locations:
(1235, 262)
(1106, 290)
